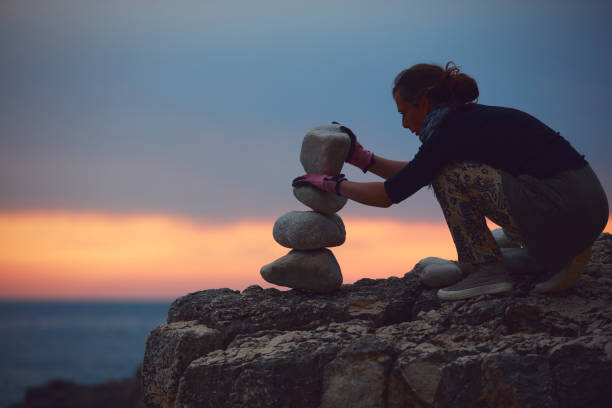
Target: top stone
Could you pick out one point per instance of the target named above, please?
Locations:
(324, 149)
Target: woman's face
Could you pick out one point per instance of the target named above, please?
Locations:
(413, 114)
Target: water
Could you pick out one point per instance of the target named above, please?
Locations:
(86, 342)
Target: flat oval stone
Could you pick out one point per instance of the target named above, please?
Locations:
(318, 200)
(316, 270)
(324, 149)
(431, 260)
(309, 230)
(438, 272)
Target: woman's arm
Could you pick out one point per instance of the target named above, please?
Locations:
(386, 168)
(373, 194)
(367, 161)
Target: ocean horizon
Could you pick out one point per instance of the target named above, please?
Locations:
(84, 341)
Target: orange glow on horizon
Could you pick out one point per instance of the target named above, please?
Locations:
(96, 256)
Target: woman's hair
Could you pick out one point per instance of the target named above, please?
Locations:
(440, 85)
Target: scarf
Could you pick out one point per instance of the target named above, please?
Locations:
(431, 121)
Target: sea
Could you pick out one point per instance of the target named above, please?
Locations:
(84, 342)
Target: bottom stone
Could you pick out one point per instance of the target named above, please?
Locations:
(315, 270)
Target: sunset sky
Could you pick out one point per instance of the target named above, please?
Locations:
(147, 147)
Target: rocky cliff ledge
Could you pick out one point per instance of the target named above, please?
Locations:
(387, 343)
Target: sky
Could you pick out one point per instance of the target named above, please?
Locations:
(147, 147)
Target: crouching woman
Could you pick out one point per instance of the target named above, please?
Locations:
(485, 161)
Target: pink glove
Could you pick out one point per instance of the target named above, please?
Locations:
(321, 181)
(357, 155)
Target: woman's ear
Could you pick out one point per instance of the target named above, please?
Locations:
(425, 104)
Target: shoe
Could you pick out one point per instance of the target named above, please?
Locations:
(568, 276)
(484, 279)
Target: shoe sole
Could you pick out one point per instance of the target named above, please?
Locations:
(477, 291)
(568, 275)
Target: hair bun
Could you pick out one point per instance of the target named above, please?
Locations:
(441, 85)
(450, 70)
(461, 87)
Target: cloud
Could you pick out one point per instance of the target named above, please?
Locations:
(61, 255)
(93, 255)
(198, 108)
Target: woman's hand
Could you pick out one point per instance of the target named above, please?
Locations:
(323, 182)
(357, 155)
(373, 194)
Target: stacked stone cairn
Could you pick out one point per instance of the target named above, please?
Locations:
(310, 265)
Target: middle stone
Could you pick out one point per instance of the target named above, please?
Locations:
(309, 230)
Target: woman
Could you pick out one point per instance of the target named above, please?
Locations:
(485, 161)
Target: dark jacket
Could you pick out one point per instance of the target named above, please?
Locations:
(504, 138)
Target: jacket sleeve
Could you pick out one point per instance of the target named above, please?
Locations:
(429, 160)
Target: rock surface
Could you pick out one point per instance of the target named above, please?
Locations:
(309, 230)
(318, 200)
(324, 149)
(315, 270)
(388, 343)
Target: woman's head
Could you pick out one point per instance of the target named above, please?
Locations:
(439, 85)
(421, 87)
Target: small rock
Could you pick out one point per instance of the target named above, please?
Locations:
(309, 230)
(523, 317)
(318, 200)
(316, 270)
(438, 272)
(253, 289)
(324, 149)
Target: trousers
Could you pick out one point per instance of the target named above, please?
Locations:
(467, 193)
(556, 218)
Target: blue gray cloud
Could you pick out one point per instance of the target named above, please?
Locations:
(198, 108)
